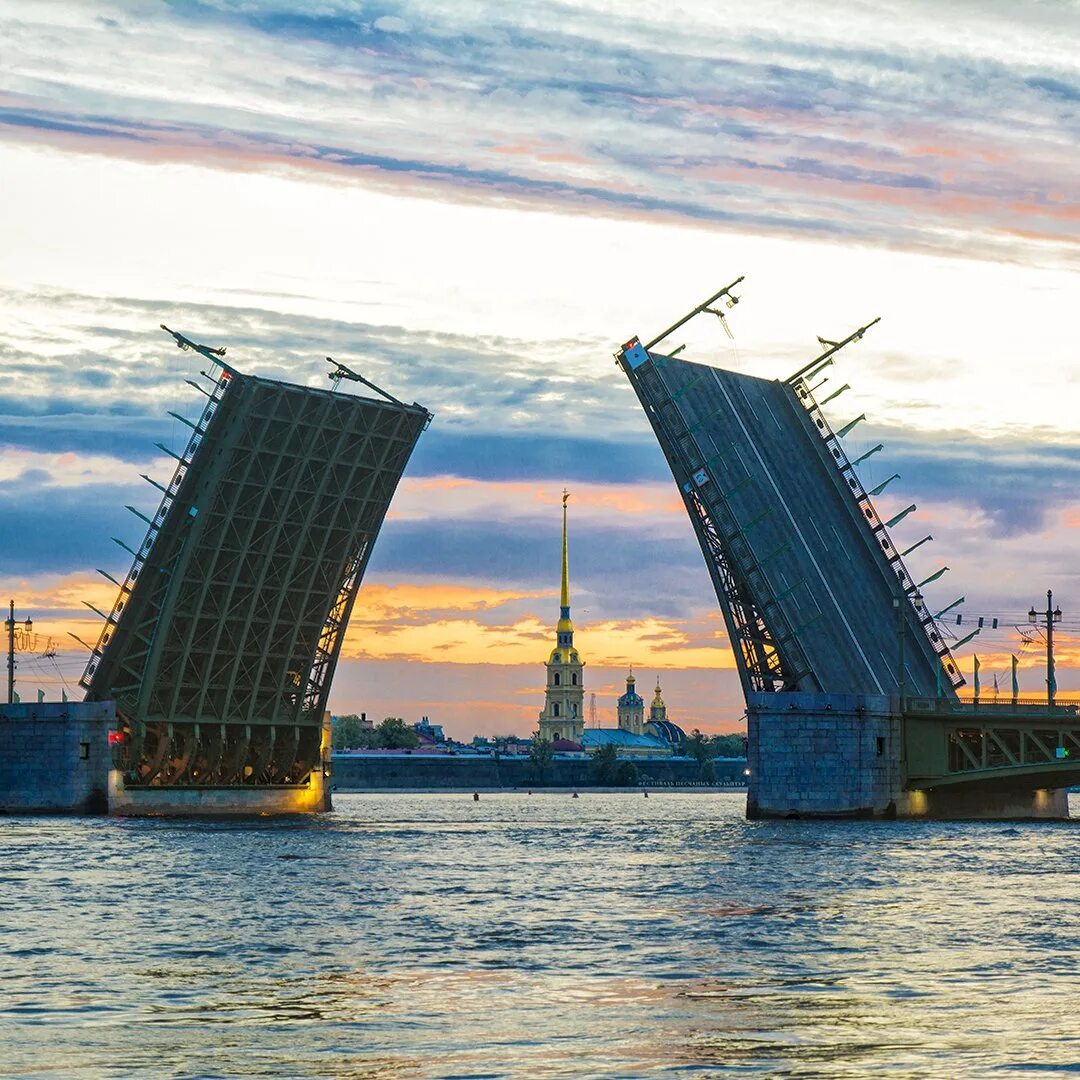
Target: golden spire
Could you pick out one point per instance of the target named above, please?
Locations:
(565, 599)
(565, 625)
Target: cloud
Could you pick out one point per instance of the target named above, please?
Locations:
(1015, 485)
(943, 140)
(503, 698)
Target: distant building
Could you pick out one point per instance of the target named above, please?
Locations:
(564, 696)
(429, 733)
(568, 748)
(631, 714)
(636, 737)
(659, 725)
(501, 744)
(512, 744)
(562, 721)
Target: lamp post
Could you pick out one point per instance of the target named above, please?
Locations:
(28, 625)
(1052, 615)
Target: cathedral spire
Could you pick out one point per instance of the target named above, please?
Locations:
(565, 625)
(564, 703)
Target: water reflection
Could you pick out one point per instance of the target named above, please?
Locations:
(430, 936)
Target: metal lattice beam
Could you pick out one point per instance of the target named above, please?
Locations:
(223, 640)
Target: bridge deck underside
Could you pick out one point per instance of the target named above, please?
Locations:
(220, 649)
(791, 535)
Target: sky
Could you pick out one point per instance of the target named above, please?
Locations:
(474, 204)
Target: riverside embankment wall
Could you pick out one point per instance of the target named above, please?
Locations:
(374, 772)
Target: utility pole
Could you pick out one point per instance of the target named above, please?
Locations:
(28, 626)
(1052, 615)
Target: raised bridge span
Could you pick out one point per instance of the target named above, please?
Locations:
(849, 682)
(221, 645)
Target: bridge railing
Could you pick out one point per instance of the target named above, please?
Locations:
(877, 527)
(183, 461)
(1027, 705)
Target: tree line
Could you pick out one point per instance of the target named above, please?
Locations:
(608, 770)
(705, 747)
(391, 734)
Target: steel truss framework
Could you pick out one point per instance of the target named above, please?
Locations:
(1004, 745)
(1008, 743)
(221, 645)
(772, 619)
(882, 541)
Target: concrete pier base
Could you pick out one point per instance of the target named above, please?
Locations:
(310, 798)
(974, 804)
(822, 755)
(55, 757)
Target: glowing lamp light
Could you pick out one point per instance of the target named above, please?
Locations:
(746, 772)
(115, 737)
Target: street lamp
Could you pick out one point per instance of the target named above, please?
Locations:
(1051, 615)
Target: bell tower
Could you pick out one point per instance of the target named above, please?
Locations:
(564, 696)
(657, 710)
(632, 708)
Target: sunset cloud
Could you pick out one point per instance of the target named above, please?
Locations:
(416, 623)
(752, 118)
(474, 205)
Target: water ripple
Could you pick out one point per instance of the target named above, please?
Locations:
(540, 937)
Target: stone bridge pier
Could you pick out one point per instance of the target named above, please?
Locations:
(862, 755)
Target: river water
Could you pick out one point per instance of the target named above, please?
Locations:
(538, 936)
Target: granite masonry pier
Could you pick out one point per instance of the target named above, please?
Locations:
(844, 755)
(55, 757)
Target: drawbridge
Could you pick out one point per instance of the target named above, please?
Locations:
(817, 599)
(220, 648)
